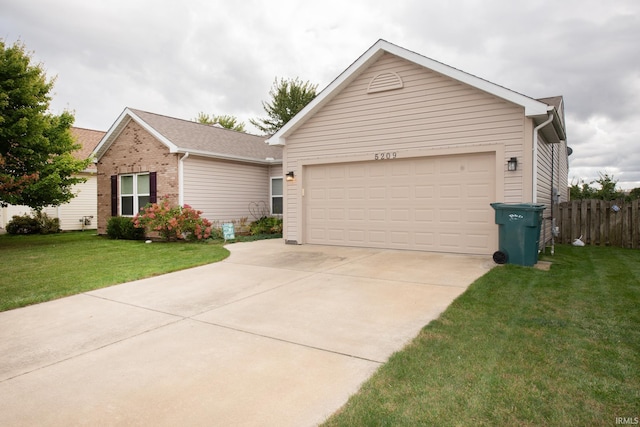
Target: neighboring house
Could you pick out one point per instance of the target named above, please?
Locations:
(225, 174)
(401, 151)
(81, 212)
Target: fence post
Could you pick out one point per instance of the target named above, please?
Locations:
(635, 224)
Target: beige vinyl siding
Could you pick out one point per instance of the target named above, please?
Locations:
(544, 188)
(223, 190)
(84, 204)
(545, 185)
(275, 171)
(431, 111)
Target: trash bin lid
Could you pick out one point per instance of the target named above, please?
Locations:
(518, 206)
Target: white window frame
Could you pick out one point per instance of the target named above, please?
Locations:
(274, 196)
(136, 196)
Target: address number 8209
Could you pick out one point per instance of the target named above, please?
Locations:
(385, 156)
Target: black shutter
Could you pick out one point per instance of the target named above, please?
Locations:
(153, 187)
(114, 195)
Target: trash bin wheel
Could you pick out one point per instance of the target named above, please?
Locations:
(500, 257)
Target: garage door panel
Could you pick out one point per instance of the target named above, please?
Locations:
(400, 237)
(424, 215)
(478, 241)
(377, 214)
(377, 237)
(336, 214)
(357, 214)
(424, 191)
(429, 203)
(479, 191)
(478, 216)
(317, 214)
(450, 216)
(400, 192)
(336, 194)
(358, 193)
(378, 193)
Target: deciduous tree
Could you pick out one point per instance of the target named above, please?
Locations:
(607, 189)
(226, 121)
(37, 167)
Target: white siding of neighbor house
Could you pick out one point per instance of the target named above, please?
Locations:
(430, 114)
(84, 204)
(224, 190)
(8, 212)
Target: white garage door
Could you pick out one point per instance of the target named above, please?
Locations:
(428, 203)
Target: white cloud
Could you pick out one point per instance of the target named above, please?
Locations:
(179, 58)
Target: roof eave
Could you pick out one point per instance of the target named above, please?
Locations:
(221, 156)
(531, 106)
(279, 138)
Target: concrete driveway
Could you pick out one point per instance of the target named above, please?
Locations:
(274, 335)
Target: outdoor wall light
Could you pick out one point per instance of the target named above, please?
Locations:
(290, 176)
(512, 164)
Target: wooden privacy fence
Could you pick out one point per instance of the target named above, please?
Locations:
(599, 222)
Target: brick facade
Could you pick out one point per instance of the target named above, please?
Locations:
(135, 151)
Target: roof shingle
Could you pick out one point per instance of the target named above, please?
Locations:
(88, 139)
(213, 140)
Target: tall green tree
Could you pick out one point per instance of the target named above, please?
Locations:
(226, 121)
(37, 167)
(288, 97)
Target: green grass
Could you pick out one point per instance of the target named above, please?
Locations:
(39, 268)
(520, 347)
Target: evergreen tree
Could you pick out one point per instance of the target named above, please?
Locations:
(288, 97)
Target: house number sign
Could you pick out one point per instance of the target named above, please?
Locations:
(389, 155)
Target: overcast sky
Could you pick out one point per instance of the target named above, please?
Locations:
(221, 57)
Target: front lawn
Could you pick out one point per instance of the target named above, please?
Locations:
(40, 268)
(521, 347)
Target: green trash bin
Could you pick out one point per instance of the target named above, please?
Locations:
(519, 232)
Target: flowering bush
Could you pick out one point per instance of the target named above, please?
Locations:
(173, 222)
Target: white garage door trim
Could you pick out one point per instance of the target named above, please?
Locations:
(399, 203)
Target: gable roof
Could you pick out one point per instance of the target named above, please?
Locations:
(536, 109)
(184, 136)
(88, 140)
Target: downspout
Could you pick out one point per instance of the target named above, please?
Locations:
(534, 197)
(181, 179)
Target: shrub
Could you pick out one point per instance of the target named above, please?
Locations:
(40, 223)
(47, 225)
(23, 224)
(173, 222)
(266, 225)
(122, 227)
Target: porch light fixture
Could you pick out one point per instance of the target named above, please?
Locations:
(512, 164)
(290, 176)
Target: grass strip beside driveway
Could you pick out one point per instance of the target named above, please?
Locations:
(520, 347)
(39, 268)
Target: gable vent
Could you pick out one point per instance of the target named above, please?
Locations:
(385, 81)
